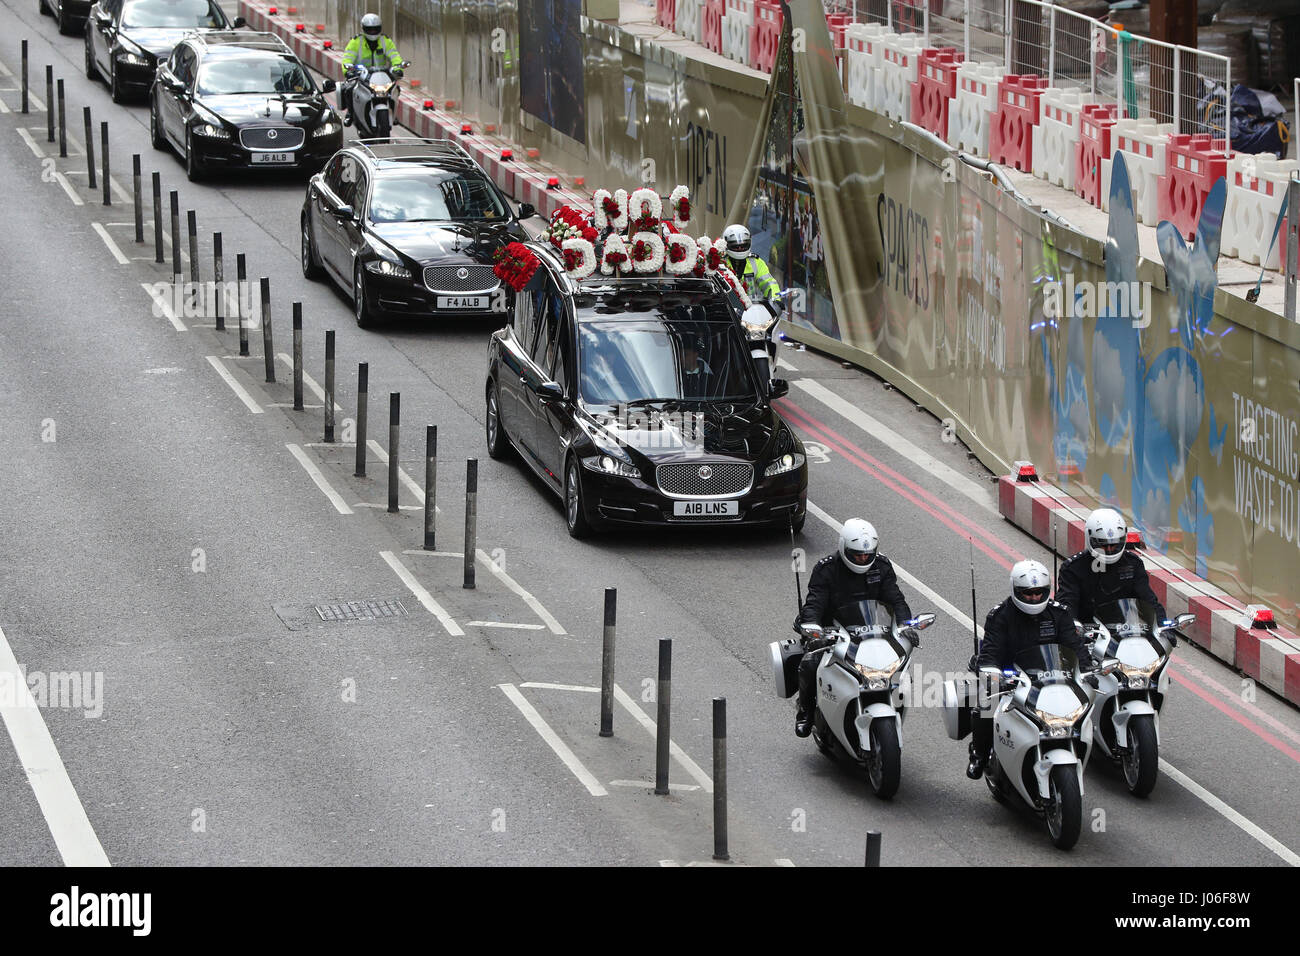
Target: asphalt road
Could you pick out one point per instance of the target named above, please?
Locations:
(169, 540)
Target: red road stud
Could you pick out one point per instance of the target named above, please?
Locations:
(553, 182)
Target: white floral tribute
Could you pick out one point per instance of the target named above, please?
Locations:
(585, 254)
(602, 200)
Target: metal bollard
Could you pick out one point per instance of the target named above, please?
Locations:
(720, 779)
(663, 727)
(241, 281)
(174, 201)
(63, 124)
(268, 350)
(192, 229)
(137, 198)
(471, 519)
(607, 664)
(329, 386)
(363, 387)
(219, 282)
(103, 163)
(157, 219)
(90, 147)
(394, 417)
(49, 102)
(24, 76)
(430, 487)
(297, 355)
(873, 848)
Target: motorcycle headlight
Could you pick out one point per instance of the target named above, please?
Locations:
(1060, 725)
(381, 90)
(787, 462)
(212, 132)
(877, 677)
(384, 267)
(610, 466)
(1139, 677)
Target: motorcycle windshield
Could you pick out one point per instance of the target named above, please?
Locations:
(869, 614)
(1127, 616)
(380, 79)
(1046, 657)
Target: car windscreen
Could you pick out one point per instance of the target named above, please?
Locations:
(432, 196)
(671, 354)
(270, 74)
(176, 14)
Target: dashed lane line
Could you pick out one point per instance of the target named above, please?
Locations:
(505, 624)
(321, 481)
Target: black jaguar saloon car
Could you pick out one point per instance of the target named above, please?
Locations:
(241, 101)
(637, 402)
(410, 228)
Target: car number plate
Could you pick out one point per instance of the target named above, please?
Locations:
(706, 509)
(273, 158)
(479, 302)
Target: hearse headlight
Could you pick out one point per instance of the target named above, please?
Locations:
(384, 267)
(609, 465)
(787, 462)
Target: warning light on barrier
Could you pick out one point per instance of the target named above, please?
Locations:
(466, 129)
(329, 44)
(1025, 471)
(1133, 539)
(1261, 617)
(553, 182)
(273, 11)
(428, 104)
(507, 153)
(299, 28)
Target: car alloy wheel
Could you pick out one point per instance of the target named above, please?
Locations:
(310, 268)
(90, 58)
(193, 171)
(155, 127)
(359, 298)
(496, 440)
(574, 517)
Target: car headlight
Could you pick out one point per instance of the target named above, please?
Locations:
(610, 466)
(327, 128)
(385, 268)
(787, 462)
(131, 59)
(214, 132)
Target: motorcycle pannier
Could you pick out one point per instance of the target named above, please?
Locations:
(786, 656)
(959, 696)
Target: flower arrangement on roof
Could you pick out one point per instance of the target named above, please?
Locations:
(515, 265)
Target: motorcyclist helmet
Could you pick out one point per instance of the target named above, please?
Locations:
(737, 239)
(371, 26)
(1030, 584)
(858, 543)
(1106, 534)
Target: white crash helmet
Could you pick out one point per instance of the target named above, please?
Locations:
(1106, 535)
(737, 239)
(858, 543)
(1030, 585)
(371, 26)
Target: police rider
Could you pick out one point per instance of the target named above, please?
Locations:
(1105, 571)
(855, 572)
(368, 48)
(752, 271)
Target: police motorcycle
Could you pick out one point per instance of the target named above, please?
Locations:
(1042, 732)
(374, 99)
(758, 323)
(1127, 702)
(863, 686)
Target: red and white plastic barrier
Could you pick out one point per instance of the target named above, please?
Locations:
(737, 26)
(899, 57)
(765, 39)
(1011, 130)
(977, 98)
(713, 11)
(935, 88)
(1224, 627)
(1192, 165)
(1256, 189)
(1096, 123)
(1056, 134)
(1142, 141)
(863, 42)
(666, 13)
(690, 19)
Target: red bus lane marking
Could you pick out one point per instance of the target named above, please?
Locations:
(1246, 722)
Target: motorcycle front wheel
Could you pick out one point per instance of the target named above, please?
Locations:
(1064, 813)
(383, 125)
(1141, 761)
(885, 766)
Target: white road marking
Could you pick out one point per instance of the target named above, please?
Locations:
(309, 382)
(576, 688)
(46, 774)
(1234, 698)
(650, 785)
(437, 554)
(112, 246)
(321, 482)
(244, 397)
(67, 188)
(642, 718)
(401, 473)
(3, 107)
(305, 405)
(384, 506)
(513, 585)
(784, 862)
(585, 777)
(1209, 799)
(421, 594)
(31, 143)
(161, 303)
(980, 494)
(504, 624)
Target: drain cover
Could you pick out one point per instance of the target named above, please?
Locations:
(360, 610)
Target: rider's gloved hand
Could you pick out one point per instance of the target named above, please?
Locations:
(913, 635)
(398, 72)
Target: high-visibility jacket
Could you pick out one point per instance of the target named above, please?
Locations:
(383, 54)
(756, 278)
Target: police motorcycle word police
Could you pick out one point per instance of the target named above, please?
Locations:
(1127, 701)
(374, 98)
(862, 685)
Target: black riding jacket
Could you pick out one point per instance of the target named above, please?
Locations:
(1083, 590)
(833, 585)
(1009, 631)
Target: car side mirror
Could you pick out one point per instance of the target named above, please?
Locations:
(238, 22)
(527, 210)
(344, 213)
(329, 86)
(780, 388)
(549, 391)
